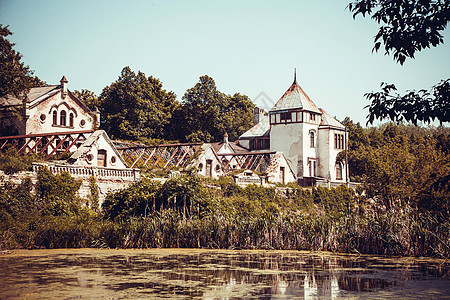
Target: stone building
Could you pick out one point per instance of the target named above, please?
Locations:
(308, 136)
(47, 109)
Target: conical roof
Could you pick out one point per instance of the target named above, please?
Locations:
(295, 97)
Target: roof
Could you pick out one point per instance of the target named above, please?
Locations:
(233, 145)
(328, 120)
(32, 94)
(262, 129)
(90, 142)
(295, 97)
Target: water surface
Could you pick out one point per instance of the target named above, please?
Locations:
(217, 274)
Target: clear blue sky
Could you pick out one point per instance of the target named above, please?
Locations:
(246, 46)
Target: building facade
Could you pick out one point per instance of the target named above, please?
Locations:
(47, 109)
(308, 136)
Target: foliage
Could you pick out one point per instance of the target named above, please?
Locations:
(94, 193)
(90, 99)
(421, 106)
(136, 106)
(15, 76)
(206, 114)
(138, 199)
(409, 26)
(57, 194)
(401, 163)
(11, 162)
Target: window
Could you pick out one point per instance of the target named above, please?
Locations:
(311, 139)
(55, 117)
(101, 158)
(338, 171)
(338, 141)
(312, 116)
(299, 116)
(286, 117)
(62, 118)
(312, 167)
(71, 120)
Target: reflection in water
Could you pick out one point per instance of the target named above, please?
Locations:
(216, 274)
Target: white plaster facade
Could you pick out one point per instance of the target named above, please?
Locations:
(98, 151)
(47, 109)
(308, 136)
(208, 163)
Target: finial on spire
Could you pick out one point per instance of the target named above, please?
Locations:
(295, 75)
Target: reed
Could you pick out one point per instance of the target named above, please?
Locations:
(231, 218)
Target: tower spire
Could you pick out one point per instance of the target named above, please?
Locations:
(295, 75)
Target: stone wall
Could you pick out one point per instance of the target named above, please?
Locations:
(108, 180)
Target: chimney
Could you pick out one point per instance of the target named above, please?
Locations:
(225, 138)
(258, 114)
(63, 82)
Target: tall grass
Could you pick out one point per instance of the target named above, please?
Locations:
(233, 218)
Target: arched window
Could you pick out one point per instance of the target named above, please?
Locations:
(311, 139)
(71, 120)
(55, 117)
(338, 171)
(62, 118)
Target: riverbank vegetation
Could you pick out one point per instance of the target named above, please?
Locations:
(400, 208)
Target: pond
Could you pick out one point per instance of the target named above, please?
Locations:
(217, 274)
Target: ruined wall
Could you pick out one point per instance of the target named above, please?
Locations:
(274, 173)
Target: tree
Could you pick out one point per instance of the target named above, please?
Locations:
(238, 115)
(15, 76)
(57, 194)
(408, 26)
(136, 106)
(90, 99)
(206, 113)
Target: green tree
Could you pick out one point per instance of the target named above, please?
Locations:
(136, 106)
(57, 194)
(138, 199)
(15, 77)
(202, 106)
(238, 115)
(408, 26)
(206, 113)
(90, 99)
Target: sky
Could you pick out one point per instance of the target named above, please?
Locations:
(247, 47)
